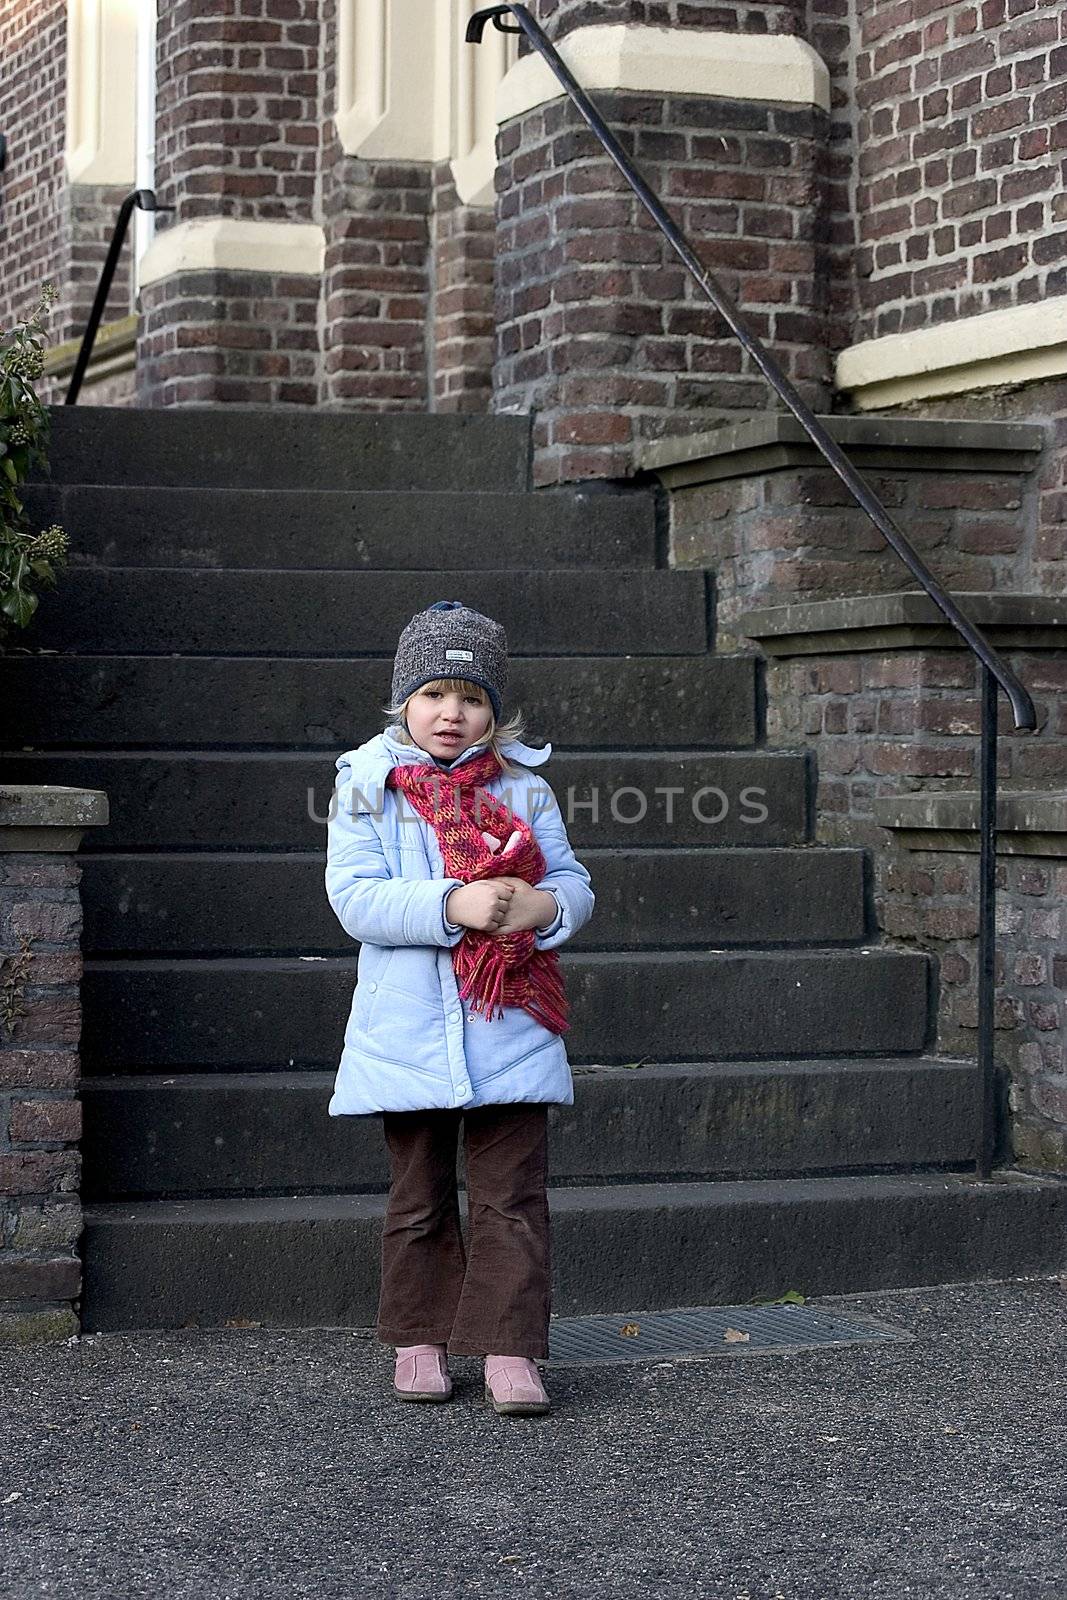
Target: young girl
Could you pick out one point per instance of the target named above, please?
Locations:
(449, 861)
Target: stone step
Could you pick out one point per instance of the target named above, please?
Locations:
(298, 703)
(399, 529)
(272, 800)
(257, 447)
(182, 1135)
(314, 1261)
(268, 903)
(187, 611)
(265, 1013)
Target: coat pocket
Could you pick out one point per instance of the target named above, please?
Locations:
(368, 998)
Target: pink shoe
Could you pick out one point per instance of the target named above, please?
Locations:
(513, 1385)
(421, 1373)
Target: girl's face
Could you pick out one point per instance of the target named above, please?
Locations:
(444, 722)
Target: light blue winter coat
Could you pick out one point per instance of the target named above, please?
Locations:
(410, 1043)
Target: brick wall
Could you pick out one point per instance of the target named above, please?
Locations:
(560, 17)
(211, 338)
(933, 190)
(930, 899)
(88, 213)
(112, 389)
(376, 285)
(599, 327)
(50, 229)
(237, 128)
(886, 723)
(376, 290)
(831, 32)
(463, 247)
(33, 42)
(237, 135)
(945, 150)
(40, 1114)
(399, 320)
(797, 534)
(1033, 402)
(961, 141)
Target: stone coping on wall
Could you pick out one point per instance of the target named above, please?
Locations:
(114, 350)
(235, 244)
(771, 441)
(906, 619)
(1016, 344)
(777, 68)
(53, 817)
(1033, 823)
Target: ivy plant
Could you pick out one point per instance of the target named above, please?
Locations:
(28, 559)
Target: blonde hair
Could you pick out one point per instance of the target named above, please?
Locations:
(496, 735)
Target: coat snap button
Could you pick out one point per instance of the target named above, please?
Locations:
(372, 986)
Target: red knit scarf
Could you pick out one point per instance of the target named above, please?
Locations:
(492, 969)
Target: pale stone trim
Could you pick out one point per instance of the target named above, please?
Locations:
(475, 75)
(905, 619)
(1029, 822)
(230, 244)
(1017, 345)
(146, 97)
(776, 440)
(409, 87)
(101, 131)
(49, 816)
(387, 86)
(114, 350)
(475, 174)
(683, 61)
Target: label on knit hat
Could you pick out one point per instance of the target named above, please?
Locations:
(459, 655)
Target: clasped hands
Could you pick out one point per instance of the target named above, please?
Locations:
(500, 905)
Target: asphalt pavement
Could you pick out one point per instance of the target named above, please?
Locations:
(248, 1462)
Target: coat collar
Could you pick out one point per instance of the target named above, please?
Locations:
(372, 761)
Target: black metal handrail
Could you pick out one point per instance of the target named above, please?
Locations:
(994, 670)
(142, 200)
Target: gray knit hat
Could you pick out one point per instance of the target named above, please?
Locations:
(449, 640)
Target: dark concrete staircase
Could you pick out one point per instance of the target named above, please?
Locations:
(756, 1108)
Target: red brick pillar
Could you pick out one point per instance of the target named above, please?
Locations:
(376, 288)
(407, 296)
(333, 240)
(237, 136)
(40, 1029)
(599, 328)
(464, 246)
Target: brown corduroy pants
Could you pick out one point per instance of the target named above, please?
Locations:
(496, 1299)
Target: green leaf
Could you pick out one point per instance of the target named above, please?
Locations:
(19, 605)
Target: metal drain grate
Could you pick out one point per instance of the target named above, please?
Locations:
(707, 1330)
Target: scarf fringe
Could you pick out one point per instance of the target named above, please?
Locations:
(487, 981)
